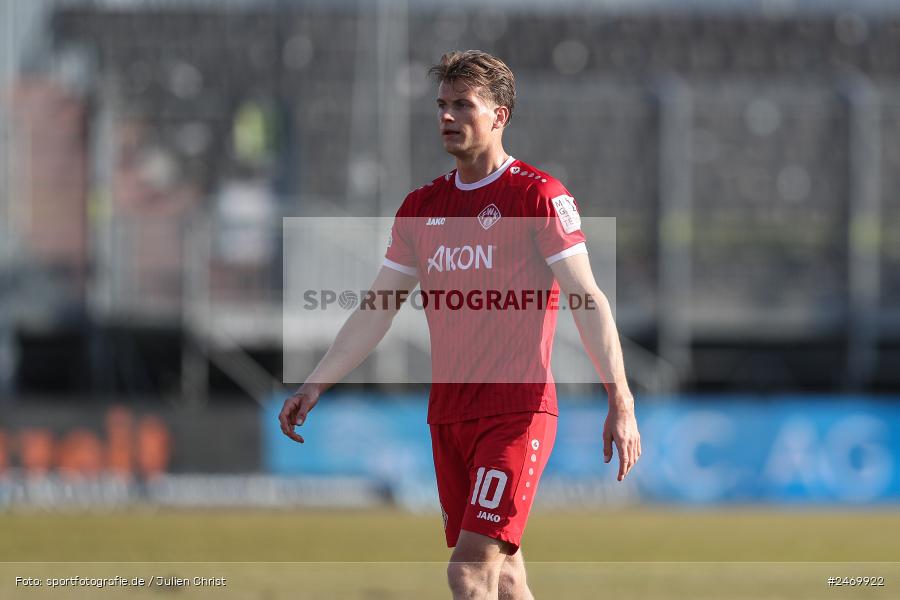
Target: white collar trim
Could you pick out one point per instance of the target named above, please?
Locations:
(489, 179)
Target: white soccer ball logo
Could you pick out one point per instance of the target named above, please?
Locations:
(348, 299)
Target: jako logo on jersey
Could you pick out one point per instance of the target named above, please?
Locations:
(461, 258)
(482, 514)
(489, 215)
(435, 221)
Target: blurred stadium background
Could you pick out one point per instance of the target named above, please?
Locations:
(749, 150)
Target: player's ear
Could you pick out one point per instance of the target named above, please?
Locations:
(501, 117)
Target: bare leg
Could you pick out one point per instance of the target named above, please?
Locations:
(475, 566)
(513, 585)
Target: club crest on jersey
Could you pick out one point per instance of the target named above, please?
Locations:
(489, 215)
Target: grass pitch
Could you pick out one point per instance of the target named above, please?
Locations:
(641, 554)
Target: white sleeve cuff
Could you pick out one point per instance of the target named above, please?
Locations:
(411, 271)
(579, 248)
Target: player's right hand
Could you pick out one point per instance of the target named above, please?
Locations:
(294, 412)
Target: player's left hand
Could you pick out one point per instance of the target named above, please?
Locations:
(621, 429)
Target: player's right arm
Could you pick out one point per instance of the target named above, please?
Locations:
(356, 339)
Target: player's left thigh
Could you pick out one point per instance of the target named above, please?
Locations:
(509, 458)
(512, 573)
(476, 564)
(515, 560)
(477, 548)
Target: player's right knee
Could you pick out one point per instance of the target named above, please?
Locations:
(467, 577)
(512, 580)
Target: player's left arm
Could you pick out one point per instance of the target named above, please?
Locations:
(600, 337)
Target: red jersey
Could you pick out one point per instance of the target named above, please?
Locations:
(481, 252)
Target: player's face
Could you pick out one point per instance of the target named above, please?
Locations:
(467, 121)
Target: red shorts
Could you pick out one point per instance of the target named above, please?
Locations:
(488, 471)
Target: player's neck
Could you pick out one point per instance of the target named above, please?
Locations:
(477, 167)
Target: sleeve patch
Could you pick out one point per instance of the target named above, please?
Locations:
(567, 213)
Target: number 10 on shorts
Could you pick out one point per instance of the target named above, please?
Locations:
(483, 484)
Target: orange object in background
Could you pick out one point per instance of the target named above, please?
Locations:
(4, 452)
(80, 454)
(153, 442)
(127, 448)
(119, 446)
(36, 448)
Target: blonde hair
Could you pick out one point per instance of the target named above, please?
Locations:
(479, 69)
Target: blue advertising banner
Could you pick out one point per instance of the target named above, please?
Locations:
(350, 434)
(717, 449)
(778, 449)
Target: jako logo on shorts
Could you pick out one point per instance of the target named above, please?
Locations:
(488, 516)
